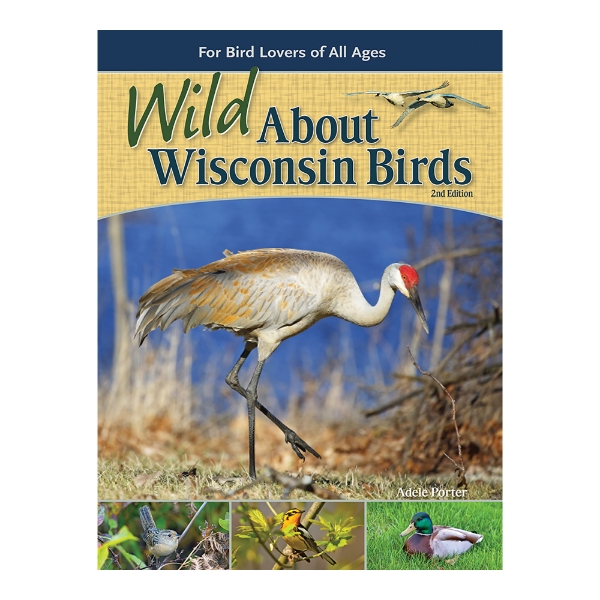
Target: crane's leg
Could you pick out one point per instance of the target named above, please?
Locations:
(251, 399)
(232, 378)
(291, 437)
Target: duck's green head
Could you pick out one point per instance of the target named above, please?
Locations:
(421, 523)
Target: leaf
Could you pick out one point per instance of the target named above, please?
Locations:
(224, 523)
(289, 530)
(124, 535)
(113, 523)
(133, 560)
(102, 555)
(257, 517)
(340, 544)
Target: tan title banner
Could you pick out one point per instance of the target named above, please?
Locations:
(185, 137)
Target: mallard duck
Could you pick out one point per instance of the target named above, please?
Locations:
(438, 540)
(397, 98)
(437, 100)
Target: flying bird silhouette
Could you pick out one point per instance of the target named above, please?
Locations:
(397, 98)
(437, 100)
(267, 296)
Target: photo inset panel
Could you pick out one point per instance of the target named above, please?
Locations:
(163, 536)
(298, 536)
(434, 535)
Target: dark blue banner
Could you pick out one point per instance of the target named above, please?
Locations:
(303, 51)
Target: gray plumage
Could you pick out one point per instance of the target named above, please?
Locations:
(160, 542)
(267, 296)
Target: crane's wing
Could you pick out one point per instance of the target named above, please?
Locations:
(420, 93)
(241, 292)
(368, 92)
(410, 108)
(465, 100)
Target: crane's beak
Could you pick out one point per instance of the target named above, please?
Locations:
(413, 296)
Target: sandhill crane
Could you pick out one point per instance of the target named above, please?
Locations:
(397, 98)
(267, 296)
(437, 100)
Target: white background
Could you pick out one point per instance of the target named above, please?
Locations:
(49, 295)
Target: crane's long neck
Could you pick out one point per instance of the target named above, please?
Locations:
(352, 305)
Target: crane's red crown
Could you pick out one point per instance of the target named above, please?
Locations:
(409, 276)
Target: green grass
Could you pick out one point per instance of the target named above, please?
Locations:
(136, 479)
(386, 520)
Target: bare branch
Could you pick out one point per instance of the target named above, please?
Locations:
(190, 523)
(460, 468)
(289, 483)
(458, 253)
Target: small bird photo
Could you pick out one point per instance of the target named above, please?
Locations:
(163, 536)
(434, 535)
(298, 536)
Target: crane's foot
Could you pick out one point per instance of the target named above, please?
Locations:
(298, 444)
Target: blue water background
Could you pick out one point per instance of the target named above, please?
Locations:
(366, 235)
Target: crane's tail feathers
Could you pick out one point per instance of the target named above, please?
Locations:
(165, 302)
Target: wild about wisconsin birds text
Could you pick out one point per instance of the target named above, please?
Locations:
(173, 165)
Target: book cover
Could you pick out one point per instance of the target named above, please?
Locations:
(300, 300)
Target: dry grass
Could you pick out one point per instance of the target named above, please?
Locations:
(148, 480)
(154, 425)
(360, 460)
